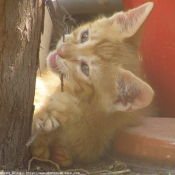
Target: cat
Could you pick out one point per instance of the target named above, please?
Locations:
(104, 89)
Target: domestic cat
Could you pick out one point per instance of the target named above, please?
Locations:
(104, 89)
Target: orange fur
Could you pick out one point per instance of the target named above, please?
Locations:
(106, 97)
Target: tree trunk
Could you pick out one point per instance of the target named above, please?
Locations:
(20, 30)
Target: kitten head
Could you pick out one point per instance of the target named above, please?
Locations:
(100, 62)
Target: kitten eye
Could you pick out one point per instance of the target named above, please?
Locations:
(85, 69)
(84, 36)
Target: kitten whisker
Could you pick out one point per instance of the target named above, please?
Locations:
(67, 75)
(64, 70)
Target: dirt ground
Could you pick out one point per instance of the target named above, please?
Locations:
(106, 166)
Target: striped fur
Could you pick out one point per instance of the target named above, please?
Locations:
(85, 117)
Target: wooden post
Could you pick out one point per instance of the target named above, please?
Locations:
(20, 30)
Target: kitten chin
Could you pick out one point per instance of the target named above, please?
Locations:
(104, 89)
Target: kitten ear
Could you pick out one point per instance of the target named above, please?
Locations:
(133, 93)
(129, 24)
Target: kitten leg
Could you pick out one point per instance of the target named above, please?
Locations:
(61, 108)
(61, 156)
(41, 152)
(45, 121)
(40, 146)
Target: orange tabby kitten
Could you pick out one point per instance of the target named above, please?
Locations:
(104, 90)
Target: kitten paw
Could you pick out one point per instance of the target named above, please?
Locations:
(61, 156)
(45, 121)
(41, 152)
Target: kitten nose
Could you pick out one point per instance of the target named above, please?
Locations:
(61, 51)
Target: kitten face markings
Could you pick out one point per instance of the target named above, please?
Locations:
(80, 51)
(61, 56)
(81, 39)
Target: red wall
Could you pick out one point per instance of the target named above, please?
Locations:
(158, 51)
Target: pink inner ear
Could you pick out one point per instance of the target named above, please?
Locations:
(129, 22)
(145, 98)
(133, 93)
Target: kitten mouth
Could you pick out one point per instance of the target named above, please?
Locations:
(57, 65)
(53, 61)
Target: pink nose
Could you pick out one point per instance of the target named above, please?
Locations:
(61, 51)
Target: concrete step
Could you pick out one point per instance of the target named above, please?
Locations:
(149, 147)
